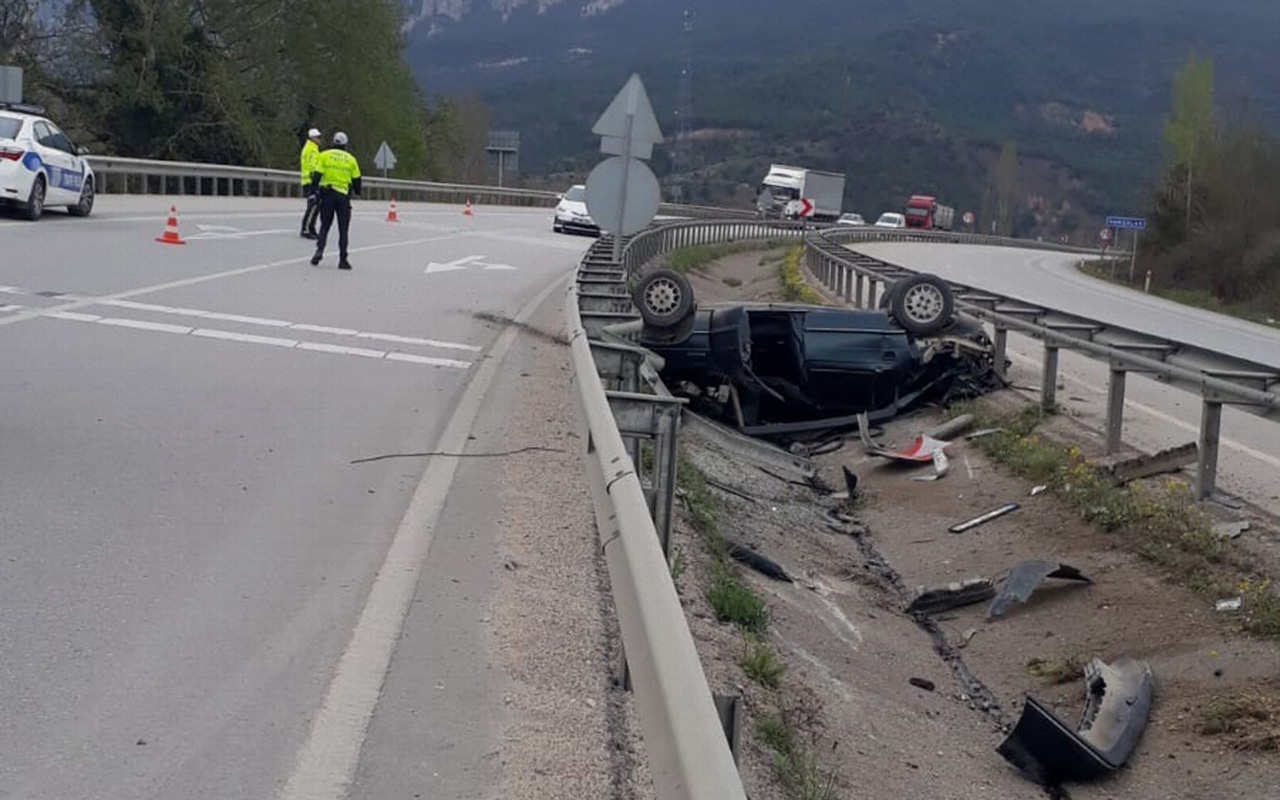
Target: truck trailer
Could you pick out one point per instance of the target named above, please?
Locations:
(924, 211)
(784, 189)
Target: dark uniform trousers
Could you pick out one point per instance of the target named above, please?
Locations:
(334, 203)
(313, 208)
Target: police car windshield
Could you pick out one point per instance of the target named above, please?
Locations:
(9, 126)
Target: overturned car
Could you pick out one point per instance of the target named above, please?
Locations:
(783, 370)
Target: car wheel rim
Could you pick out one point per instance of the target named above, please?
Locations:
(923, 303)
(662, 297)
(37, 198)
(86, 197)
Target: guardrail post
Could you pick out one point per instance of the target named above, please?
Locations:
(848, 284)
(1210, 432)
(857, 290)
(1002, 352)
(1115, 409)
(1049, 380)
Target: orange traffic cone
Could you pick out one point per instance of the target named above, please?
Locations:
(170, 235)
(466, 212)
(391, 215)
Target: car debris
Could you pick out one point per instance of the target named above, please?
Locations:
(957, 594)
(760, 563)
(1230, 604)
(785, 370)
(1024, 578)
(1117, 704)
(984, 518)
(1230, 530)
(1041, 489)
(940, 466)
(922, 683)
(985, 432)
(1144, 466)
(952, 427)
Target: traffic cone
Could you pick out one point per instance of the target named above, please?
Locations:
(391, 215)
(466, 212)
(170, 235)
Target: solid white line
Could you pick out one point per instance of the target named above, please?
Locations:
(329, 758)
(212, 333)
(391, 337)
(74, 316)
(437, 362)
(341, 350)
(325, 329)
(269, 323)
(144, 326)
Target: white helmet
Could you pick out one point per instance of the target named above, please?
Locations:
(339, 138)
(314, 133)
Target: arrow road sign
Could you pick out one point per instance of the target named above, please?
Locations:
(806, 207)
(466, 262)
(630, 115)
(1127, 223)
(384, 159)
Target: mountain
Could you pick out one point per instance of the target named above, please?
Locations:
(904, 96)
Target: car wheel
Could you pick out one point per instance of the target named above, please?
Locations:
(664, 298)
(922, 304)
(556, 227)
(85, 205)
(35, 201)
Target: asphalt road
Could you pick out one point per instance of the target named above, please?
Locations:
(1156, 415)
(200, 592)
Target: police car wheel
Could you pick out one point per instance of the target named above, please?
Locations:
(35, 201)
(85, 205)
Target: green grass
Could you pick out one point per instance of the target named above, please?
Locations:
(794, 289)
(731, 281)
(795, 765)
(1052, 671)
(1250, 719)
(735, 602)
(698, 256)
(1198, 298)
(761, 664)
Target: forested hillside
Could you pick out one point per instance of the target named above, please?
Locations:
(906, 96)
(226, 81)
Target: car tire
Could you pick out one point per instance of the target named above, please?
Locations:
(556, 227)
(34, 207)
(922, 304)
(664, 298)
(85, 206)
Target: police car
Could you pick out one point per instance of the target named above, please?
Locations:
(39, 167)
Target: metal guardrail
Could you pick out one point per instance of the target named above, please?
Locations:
(147, 176)
(1219, 379)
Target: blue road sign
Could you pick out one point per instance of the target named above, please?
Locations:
(1127, 223)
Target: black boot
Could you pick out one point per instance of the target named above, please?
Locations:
(344, 264)
(315, 259)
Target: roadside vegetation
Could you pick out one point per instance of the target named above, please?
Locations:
(1249, 720)
(1158, 520)
(794, 288)
(790, 718)
(697, 257)
(1198, 298)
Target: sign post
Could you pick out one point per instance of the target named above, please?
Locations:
(1134, 224)
(384, 159)
(622, 192)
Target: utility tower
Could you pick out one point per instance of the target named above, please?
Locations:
(682, 152)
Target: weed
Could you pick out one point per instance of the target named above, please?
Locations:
(795, 765)
(761, 664)
(734, 602)
(793, 286)
(1055, 671)
(1251, 719)
(679, 564)
(702, 505)
(731, 281)
(1262, 606)
(691, 259)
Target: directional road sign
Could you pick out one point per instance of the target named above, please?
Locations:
(605, 200)
(1127, 223)
(806, 207)
(630, 114)
(384, 159)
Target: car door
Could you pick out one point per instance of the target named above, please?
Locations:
(60, 164)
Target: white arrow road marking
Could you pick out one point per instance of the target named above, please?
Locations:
(463, 263)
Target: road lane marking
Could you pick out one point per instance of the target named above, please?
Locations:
(327, 761)
(247, 338)
(144, 326)
(341, 350)
(431, 360)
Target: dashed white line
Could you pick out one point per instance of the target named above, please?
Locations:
(390, 337)
(247, 338)
(73, 316)
(143, 326)
(341, 350)
(435, 362)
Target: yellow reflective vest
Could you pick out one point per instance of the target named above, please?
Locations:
(310, 160)
(337, 169)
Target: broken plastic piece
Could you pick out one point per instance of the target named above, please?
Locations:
(1035, 490)
(1230, 530)
(1023, 580)
(1231, 604)
(762, 564)
(850, 482)
(940, 466)
(932, 599)
(982, 433)
(987, 517)
(1117, 703)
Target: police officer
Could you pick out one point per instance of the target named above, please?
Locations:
(310, 163)
(337, 175)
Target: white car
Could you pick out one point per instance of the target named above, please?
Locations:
(39, 167)
(889, 219)
(571, 213)
(851, 219)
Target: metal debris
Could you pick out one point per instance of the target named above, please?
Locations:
(1231, 604)
(933, 599)
(952, 427)
(983, 433)
(984, 518)
(1170, 460)
(922, 683)
(1230, 530)
(1025, 578)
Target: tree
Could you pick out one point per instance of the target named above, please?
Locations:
(1000, 197)
(1189, 131)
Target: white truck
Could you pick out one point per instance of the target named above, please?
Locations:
(785, 189)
